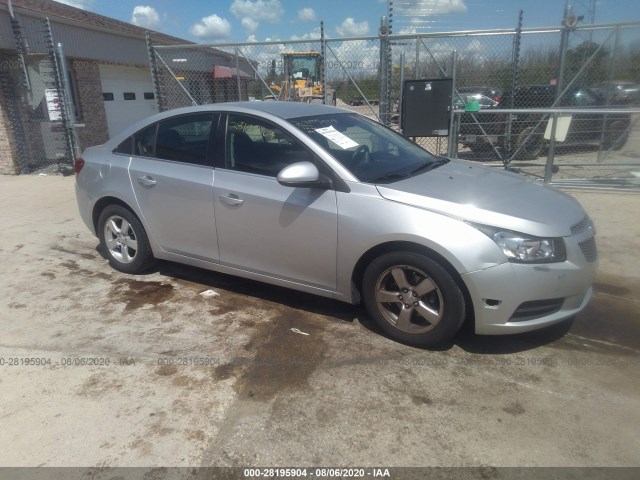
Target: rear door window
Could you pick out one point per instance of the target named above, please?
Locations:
(185, 139)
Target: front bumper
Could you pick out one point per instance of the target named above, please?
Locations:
(498, 293)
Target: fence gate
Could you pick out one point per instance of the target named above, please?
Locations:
(32, 86)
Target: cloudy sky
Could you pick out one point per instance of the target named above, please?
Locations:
(250, 20)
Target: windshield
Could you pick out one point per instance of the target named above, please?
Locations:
(370, 151)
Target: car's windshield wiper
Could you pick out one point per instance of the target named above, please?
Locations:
(389, 177)
(400, 175)
(429, 166)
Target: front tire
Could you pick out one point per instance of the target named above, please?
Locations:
(123, 238)
(413, 299)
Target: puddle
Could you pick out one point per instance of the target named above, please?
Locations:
(136, 294)
(284, 360)
(73, 266)
(87, 256)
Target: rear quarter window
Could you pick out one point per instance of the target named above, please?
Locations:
(126, 147)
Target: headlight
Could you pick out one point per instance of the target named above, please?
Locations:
(522, 248)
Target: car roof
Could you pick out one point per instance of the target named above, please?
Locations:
(284, 110)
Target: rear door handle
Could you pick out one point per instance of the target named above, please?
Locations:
(146, 181)
(231, 199)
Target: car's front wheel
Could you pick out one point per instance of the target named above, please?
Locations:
(413, 298)
(123, 237)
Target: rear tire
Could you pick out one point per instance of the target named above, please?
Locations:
(616, 135)
(413, 299)
(123, 238)
(529, 144)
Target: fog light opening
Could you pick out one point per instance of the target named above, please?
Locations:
(491, 302)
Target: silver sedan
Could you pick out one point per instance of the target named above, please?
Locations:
(326, 201)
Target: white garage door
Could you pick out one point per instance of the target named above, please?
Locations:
(128, 95)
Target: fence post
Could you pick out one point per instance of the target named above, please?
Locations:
(323, 65)
(59, 82)
(612, 66)
(453, 140)
(564, 43)
(514, 78)
(68, 101)
(238, 74)
(401, 91)
(155, 78)
(416, 73)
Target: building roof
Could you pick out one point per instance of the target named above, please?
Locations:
(56, 10)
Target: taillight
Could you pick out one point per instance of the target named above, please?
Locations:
(78, 165)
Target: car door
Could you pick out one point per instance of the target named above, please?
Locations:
(172, 176)
(265, 227)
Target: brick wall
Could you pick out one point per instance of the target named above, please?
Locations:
(91, 105)
(8, 156)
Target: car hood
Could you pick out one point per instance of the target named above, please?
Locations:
(489, 196)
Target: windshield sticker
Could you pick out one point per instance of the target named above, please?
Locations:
(337, 137)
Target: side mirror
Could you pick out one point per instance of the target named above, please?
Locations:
(302, 174)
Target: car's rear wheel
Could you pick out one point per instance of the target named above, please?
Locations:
(529, 144)
(123, 237)
(616, 135)
(413, 298)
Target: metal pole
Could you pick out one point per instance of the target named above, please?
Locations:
(155, 77)
(612, 66)
(564, 43)
(238, 74)
(401, 91)
(68, 101)
(323, 65)
(453, 141)
(384, 71)
(514, 78)
(416, 74)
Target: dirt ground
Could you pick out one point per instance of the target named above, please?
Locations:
(98, 368)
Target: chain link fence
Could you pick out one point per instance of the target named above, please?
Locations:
(593, 69)
(32, 87)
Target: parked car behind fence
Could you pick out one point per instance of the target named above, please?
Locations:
(524, 133)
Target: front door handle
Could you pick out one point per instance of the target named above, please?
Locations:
(231, 199)
(146, 181)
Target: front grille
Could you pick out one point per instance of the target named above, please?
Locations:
(589, 250)
(536, 309)
(581, 225)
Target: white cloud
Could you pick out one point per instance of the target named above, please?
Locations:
(83, 4)
(211, 28)
(307, 15)
(259, 10)
(249, 24)
(312, 35)
(430, 7)
(351, 28)
(145, 16)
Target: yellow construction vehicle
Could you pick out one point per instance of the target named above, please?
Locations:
(302, 79)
